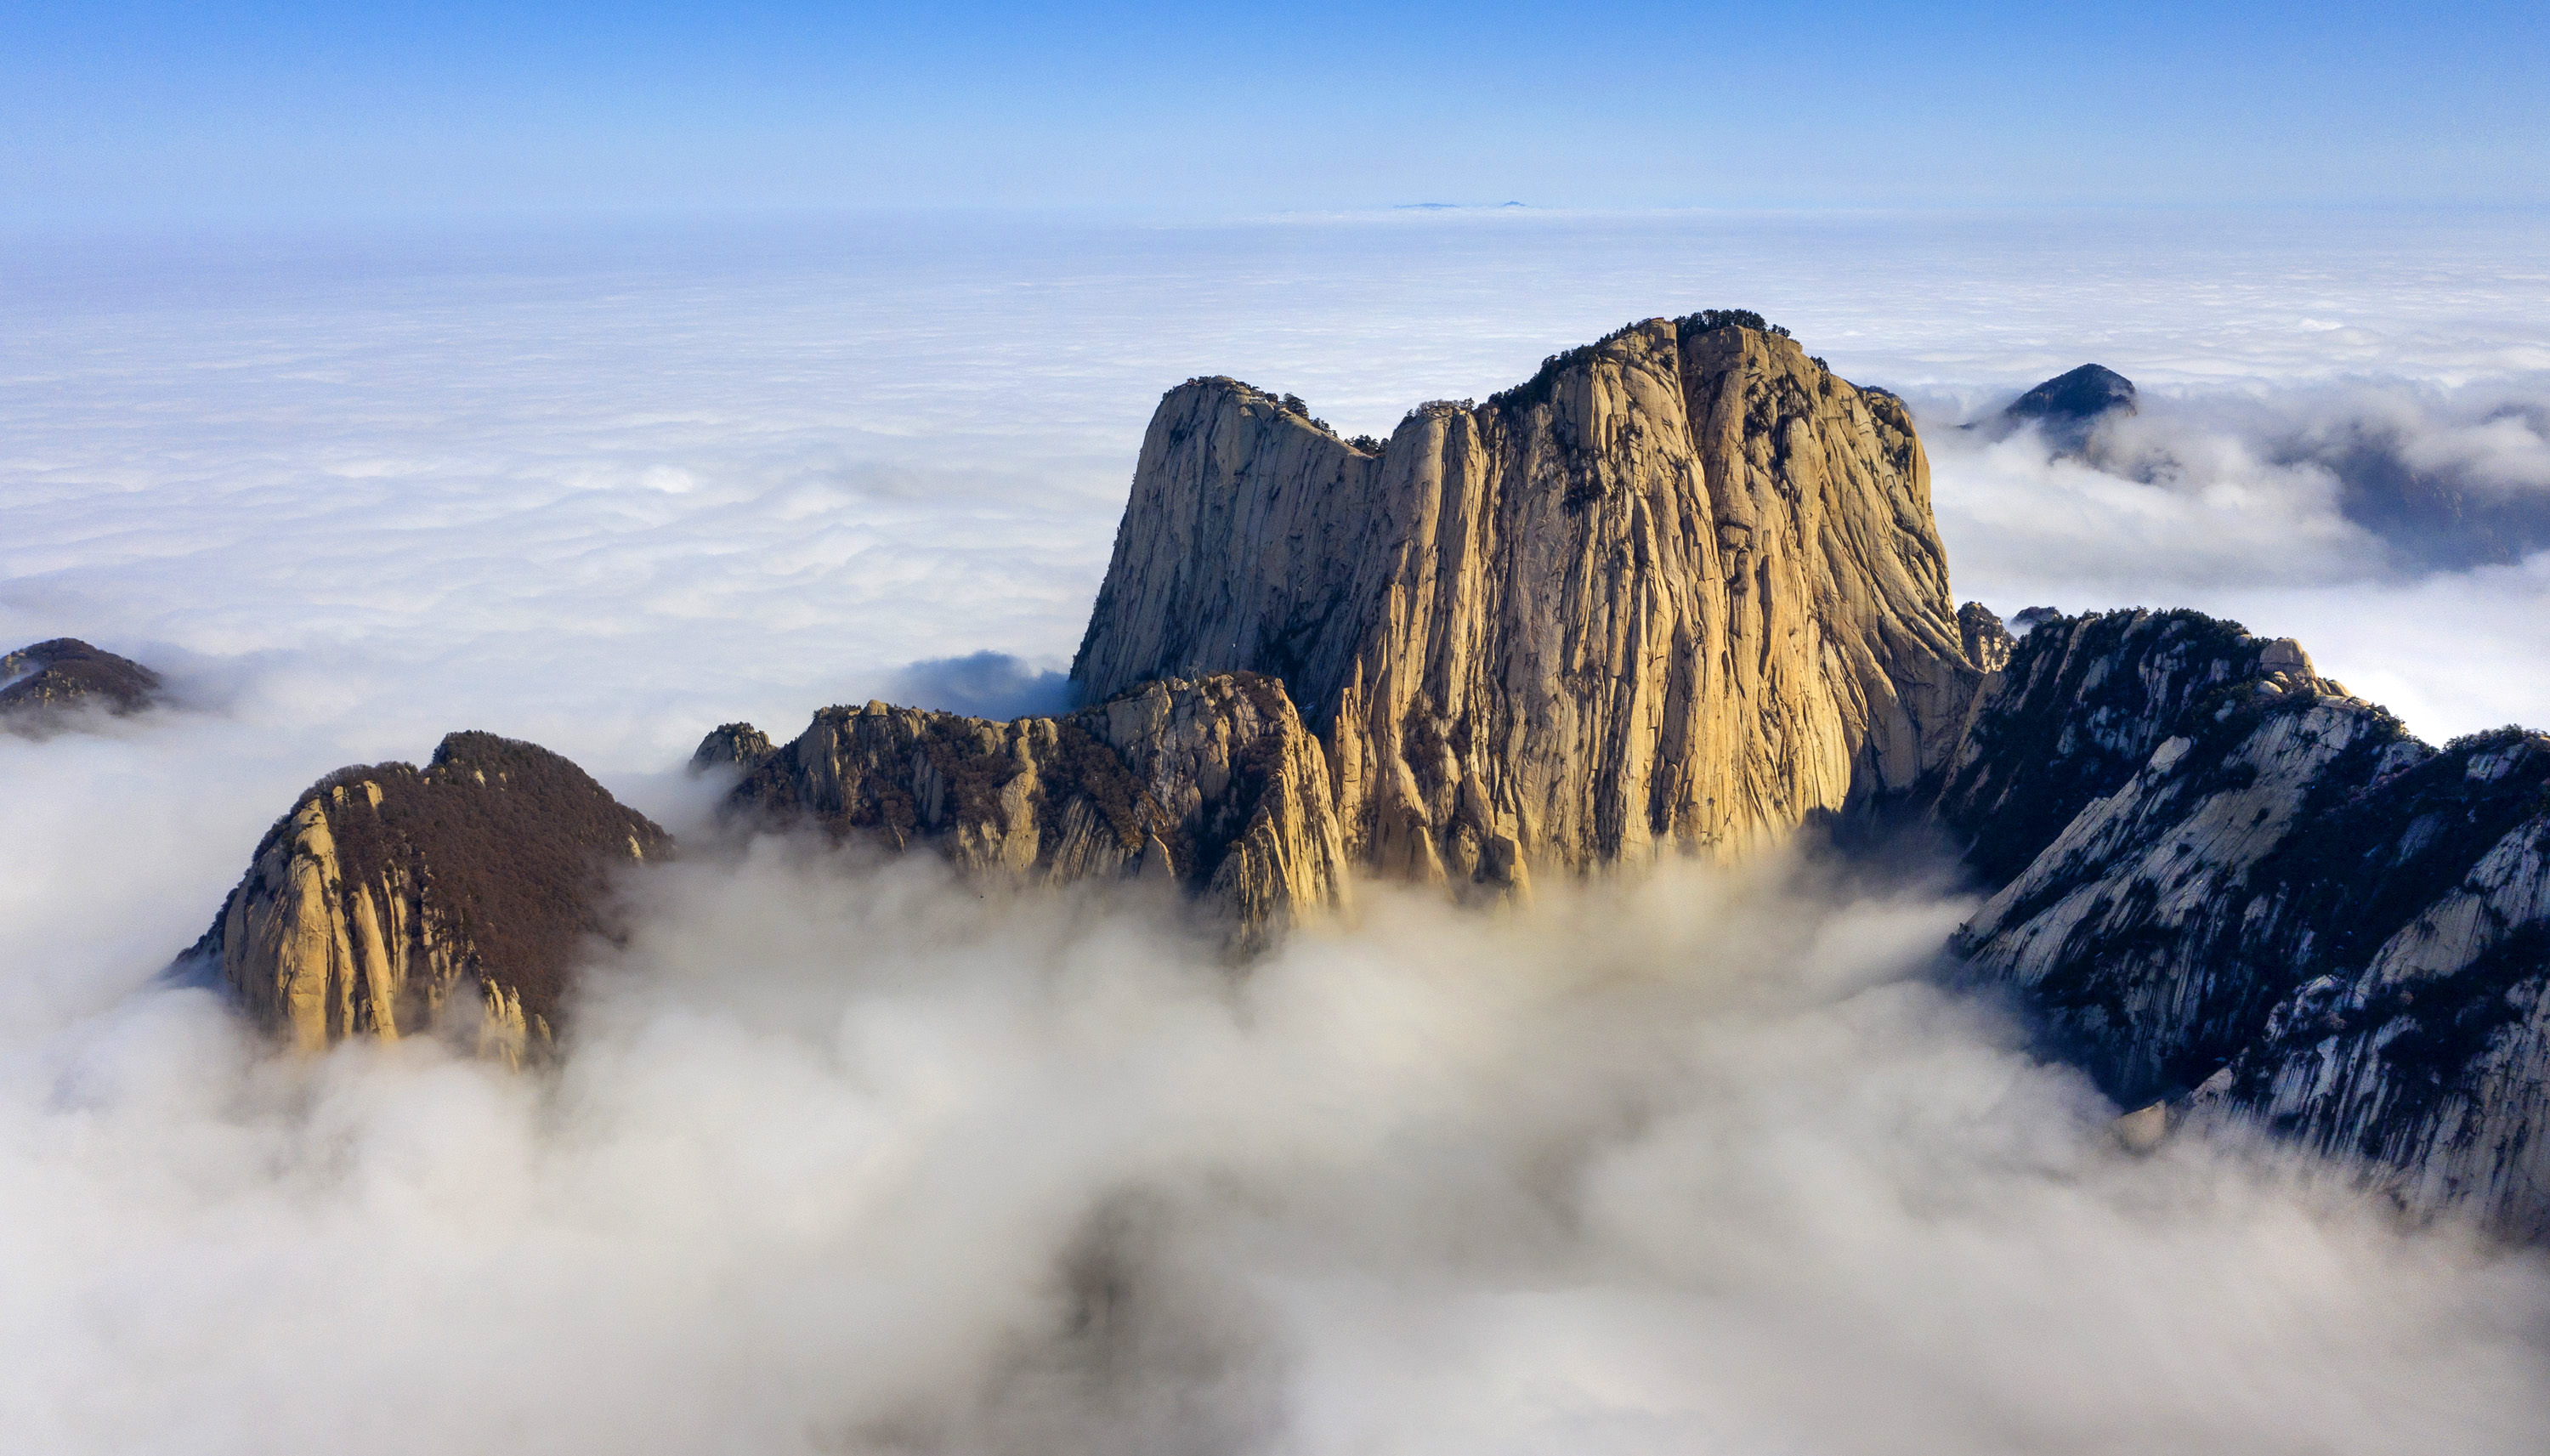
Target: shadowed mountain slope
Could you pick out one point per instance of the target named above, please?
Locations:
(41, 683)
(2228, 884)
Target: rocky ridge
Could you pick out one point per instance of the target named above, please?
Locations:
(458, 899)
(2231, 886)
(1679, 592)
(392, 901)
(1212, 785)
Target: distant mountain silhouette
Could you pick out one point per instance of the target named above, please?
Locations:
(39, 684)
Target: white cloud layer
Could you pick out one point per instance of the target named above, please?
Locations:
(2277, 505)
(845, 1159)
(848, 1159)
(608, 488)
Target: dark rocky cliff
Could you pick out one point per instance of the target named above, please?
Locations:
(2231, 885)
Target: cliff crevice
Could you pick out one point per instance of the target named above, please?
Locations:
(1680, 593)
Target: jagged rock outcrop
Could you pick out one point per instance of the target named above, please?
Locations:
(1987, 641)
(39, 684)
(1212, 785)
(2077, 710)
(736, 745)
(392, 901)
(2224, 880)
(1679, 592)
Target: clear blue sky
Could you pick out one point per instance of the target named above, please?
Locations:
(223, 110)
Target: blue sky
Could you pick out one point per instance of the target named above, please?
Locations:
(160, 110)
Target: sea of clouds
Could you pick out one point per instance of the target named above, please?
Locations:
(847, 1157)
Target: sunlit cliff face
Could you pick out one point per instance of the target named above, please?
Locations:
(846, 1156)
(603, 490)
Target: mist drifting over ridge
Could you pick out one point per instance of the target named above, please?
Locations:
(846, 1157)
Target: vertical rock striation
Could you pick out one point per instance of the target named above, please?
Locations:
(1211, 785)
(1679, 592)
(392, 901)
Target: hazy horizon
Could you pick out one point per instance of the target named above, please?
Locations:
(153, 109)
(599, 377)
(650, 411)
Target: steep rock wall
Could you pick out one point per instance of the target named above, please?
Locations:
(2267, 900)
(1214, 785)
(392, 901)
(2072, 713)
(2420, 1039)
(1679, 592)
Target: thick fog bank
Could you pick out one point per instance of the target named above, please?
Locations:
(845, 1157)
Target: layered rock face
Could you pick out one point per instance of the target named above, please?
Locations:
(392, 901)
(1212, 785)
(2222, 875)
(1681, 592)
(41, 682)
